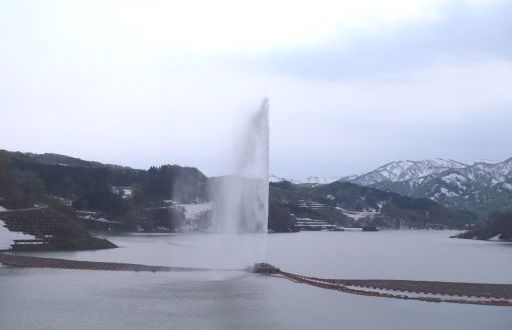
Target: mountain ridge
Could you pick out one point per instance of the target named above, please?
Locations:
(405, 170)
(482, 186)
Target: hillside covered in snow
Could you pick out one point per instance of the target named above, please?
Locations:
(482, 187)
(406, 170)
(308, 181)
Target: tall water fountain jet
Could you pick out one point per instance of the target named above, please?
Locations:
(241, 199)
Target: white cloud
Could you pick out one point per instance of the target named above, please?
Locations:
(148, 84)
(174, 28)
(190, 117)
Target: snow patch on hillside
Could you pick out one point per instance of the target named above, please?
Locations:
(448, 193)
(275, 179)
(313, 180)
(318, 180)
(454, 177)
(193, 211)
(7, 237)
(358, 215)
(485, 161)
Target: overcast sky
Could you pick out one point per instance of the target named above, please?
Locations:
(352, 84)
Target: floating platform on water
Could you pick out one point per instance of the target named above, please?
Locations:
(427, 291)
(264, 268)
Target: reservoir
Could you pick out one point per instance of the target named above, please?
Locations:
(230, 298)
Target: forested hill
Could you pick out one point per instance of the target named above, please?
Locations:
(499, 225)
(28, 178)
(173, 197)
(348, 204)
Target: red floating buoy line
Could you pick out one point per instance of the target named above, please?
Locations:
(458, 293)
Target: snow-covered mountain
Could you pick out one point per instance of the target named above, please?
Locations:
(275, 178)
(310, 180)
(316, 180)
(481, 187)
(406, 170)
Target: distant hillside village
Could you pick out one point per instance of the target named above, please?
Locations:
(89, 196)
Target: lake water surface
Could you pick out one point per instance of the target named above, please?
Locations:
(234, 299)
